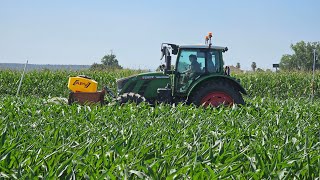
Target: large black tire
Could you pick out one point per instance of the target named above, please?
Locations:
(130, 98)
(216, 93)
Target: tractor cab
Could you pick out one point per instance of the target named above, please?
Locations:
(192, 63)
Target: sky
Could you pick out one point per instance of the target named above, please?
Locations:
(82, 32)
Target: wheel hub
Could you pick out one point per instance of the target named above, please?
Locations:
(216, 98)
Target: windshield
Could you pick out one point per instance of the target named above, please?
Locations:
(187, 58)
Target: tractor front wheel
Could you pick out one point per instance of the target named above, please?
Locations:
(216, 94)
(130, 98)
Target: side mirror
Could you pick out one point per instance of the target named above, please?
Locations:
(168, 63)
(167, 69)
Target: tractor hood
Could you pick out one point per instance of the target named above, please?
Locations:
(121, 83)
(152, 75)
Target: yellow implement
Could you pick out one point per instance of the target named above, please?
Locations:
(82, 84)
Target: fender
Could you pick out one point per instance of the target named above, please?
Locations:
(215, 77)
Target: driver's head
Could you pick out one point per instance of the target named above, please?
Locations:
(192, 57)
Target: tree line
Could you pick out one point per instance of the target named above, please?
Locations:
(302, 57)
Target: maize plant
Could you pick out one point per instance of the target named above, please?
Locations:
(274, 136)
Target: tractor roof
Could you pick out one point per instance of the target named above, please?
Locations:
(201, 47)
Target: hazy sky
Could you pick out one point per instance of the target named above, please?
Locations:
(81, 32)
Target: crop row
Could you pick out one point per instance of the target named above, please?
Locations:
(281, 85)
(48, 83)
(53, 83)
(267, 139)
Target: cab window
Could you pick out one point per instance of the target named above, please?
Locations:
(213, 58)
(189, 59)
(190, 66)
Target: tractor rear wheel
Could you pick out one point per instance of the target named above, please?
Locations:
(130, 98)
(216, 94)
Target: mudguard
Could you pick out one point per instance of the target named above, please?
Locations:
(215, 77)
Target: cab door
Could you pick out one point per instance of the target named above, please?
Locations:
(190, 65)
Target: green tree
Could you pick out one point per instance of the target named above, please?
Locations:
(96, 66)
(108, 61)
(288, 63)
(260, 70)
(254, 66)
(302, 57)
(238, 65)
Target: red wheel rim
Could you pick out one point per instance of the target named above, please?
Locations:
(216, 98)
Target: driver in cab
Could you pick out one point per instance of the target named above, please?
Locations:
(192, 72)
(195, 67)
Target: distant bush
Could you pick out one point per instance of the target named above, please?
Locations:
(108, 61)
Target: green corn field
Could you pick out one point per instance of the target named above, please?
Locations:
(276, 135)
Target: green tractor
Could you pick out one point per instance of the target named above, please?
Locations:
(198, 77)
